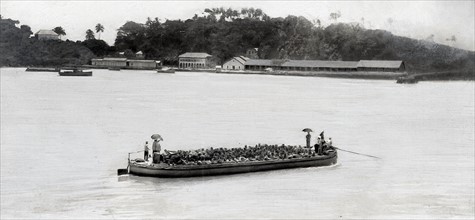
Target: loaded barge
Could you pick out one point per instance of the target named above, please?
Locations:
(142, 168)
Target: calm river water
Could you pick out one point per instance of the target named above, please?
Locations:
(63, 139)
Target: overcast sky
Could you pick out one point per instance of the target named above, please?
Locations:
(415, 19)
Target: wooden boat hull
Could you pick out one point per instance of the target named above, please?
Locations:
(234, 168)
(166, 71)
(75, 73)
(407, 80)
(41, 69)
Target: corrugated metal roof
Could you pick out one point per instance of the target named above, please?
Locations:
(320, 63)
(260, 62)
(47, 32)
(241, 59)
(326, 63)
(380, 63)
(303, 63)
(141, 61)
(115, 59)
(244, 58)
(194, 55)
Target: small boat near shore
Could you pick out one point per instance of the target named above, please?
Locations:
(74, 72)
(41, 69)
(114, 68)
(142, 168)
(407, 80)
(166, 70)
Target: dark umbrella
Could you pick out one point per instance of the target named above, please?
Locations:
(308, 130)
(156, 136)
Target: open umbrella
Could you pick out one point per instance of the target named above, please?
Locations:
(308, 130)
(156, 136)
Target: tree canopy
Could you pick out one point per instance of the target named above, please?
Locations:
(90, 35)
(59, 30)
(18, 49)
(226, 33)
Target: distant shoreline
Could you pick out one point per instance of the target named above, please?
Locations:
(455, 75)
(350, 75)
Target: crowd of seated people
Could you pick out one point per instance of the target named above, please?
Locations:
(234, 155)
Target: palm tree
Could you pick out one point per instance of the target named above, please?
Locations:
(60, 31)
(99, 29)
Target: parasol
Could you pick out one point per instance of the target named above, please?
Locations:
(156, 136)
(307, 130)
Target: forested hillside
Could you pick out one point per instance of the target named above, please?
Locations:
(227, 33)
(18, 49)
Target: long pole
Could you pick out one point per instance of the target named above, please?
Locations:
(357, 153)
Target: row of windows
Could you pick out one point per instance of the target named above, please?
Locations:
(191, 65)
(229, 67)
(191, 60)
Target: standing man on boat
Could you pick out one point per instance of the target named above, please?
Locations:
(145, 151)
(318, 145)
(309, 138)
(156, 148)
(330, 144)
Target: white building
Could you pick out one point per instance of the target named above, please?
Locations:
(236, 63)
(46, 35)
(194, 61)
(126, 63)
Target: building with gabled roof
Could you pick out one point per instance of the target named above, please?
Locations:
(46, 35)
(194, 55)
(319, 65)
(110, 62)
(301, 65)
(195, 60)
(326, 65)
(382, 65)
(121, 62)
(235, 63)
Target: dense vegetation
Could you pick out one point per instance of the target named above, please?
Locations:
(225, 33)
(18, 49)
